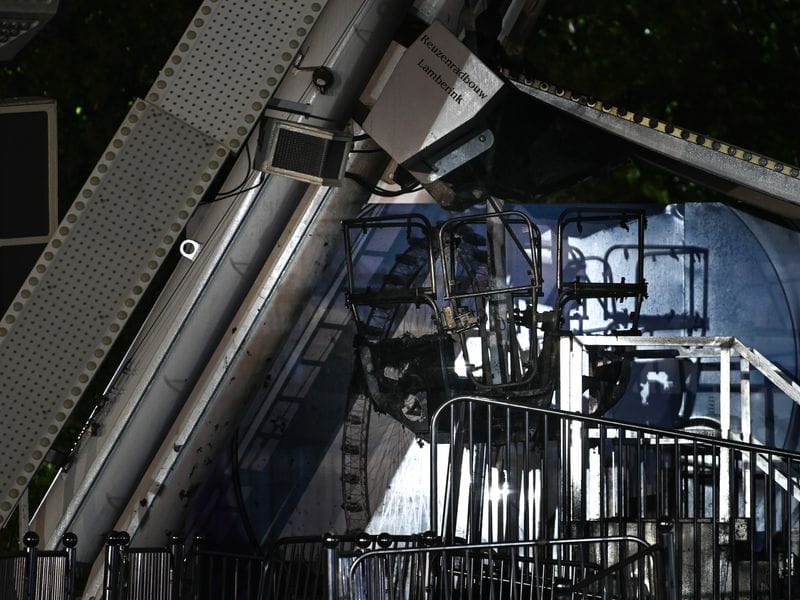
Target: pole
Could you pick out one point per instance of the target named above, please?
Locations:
(175, 566)
(69, 541)
(113, 577)
(30, 540)
(329, 542)
(666, 573)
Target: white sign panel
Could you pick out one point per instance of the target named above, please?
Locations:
(436, 87)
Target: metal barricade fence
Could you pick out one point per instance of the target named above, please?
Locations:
(175, 573)
(39, 575)
(149, 574)
(137, 573)
(316, 567)
(502, 472)
(12, 576)
(298, 568)
(510, 570)
(54, 577)
(214, 575)
(583, 497)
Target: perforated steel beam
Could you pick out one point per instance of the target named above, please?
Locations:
(159, 165)
(90, 277)
(229, 62)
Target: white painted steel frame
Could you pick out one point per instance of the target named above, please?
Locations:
(169, 149)
(90, 277)
(572, 367)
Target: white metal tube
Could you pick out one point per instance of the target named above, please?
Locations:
(746, 428)
(724, 500)
(564, 358)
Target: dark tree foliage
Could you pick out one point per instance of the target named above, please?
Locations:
(94, 58)
(726, 68)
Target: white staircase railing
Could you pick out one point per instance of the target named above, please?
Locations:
(503, 471)
(573, 367)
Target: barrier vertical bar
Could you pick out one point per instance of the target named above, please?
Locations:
(576, 442)
(69, 541)
(746, 426)
(175, 566)
(665, 564)
(31, 541)
(724, 500)
(113, 581)
(198, 573)
(564, 359)
(329, 542)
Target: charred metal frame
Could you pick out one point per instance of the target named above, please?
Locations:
(376, 298)
(577, 290)
(494, 314)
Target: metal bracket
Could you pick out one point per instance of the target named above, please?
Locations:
(433, 168)
(190, 249)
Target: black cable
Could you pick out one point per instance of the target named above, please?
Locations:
(246, 175)
(261, 181)
(240, 189)
(367, 151)
(293, 111)
(360, 138)
(378, 191)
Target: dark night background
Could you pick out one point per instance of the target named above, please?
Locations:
(727, 68)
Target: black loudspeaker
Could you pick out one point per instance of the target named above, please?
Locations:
(311, 154)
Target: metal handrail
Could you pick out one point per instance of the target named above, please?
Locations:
(770, 370)
(393, 222)
(570, 474)
(534, 261)
(646, 429)
(595, 214)
(586, 419)
(487, 552)
(725, 348)
(496, 545)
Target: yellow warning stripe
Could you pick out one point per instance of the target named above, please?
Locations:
(663, 127)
